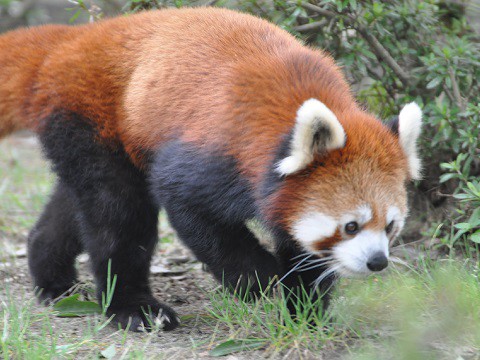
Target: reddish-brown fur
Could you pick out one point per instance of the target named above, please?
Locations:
(213, 77)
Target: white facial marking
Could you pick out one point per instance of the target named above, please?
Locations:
(354, 254)
(393, 214)
(409, 127)
(396, 215)
(314, 226)
(362, 215)
(365, 214)
(311, 116)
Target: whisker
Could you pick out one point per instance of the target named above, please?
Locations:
(317, 266)
(300, 255)
(317, 261)
(320, 260)
(294, 268)
(327, 272)
(299, 262)
(399, 261)
(331, 284)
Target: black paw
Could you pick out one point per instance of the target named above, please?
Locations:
(145, 317)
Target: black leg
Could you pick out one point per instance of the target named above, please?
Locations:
(208, 201)
(232, 252)
(117, 218)
(53, 245)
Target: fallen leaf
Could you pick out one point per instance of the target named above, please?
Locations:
(72, 307)
(233, 346)
(109, 353)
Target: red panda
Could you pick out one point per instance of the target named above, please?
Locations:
(218, 117)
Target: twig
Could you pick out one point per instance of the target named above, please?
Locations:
(456, 90)
(449, 93)
(311, 26)
(319, 10)
(381, 52)
(377, 47)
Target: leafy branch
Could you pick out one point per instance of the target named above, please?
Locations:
(380, 51)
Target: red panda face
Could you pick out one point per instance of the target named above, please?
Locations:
(352, 228)
(346, 200)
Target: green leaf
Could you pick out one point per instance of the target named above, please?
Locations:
(446, 177)
(109, 353)
(475, 217)
(233, 346)
(377, 9)
(463, 226)
(434, 83)
(462, 196)
(475, 237)
(75, 16)
(72, 307)
(473, 188)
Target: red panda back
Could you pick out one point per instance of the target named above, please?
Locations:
(210, 76)
(227, 80)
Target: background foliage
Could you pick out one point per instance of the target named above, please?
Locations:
(393, 52)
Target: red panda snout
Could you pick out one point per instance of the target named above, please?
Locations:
(355, 243)
(365, 253)
(377, 262)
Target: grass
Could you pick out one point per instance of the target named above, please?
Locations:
(25, 182)
(28, 333)
(431, 311)
(268, 321)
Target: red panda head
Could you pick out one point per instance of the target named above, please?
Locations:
(344, 190)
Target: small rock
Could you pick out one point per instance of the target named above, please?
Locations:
(22, 252)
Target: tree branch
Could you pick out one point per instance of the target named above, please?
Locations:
(311, 26)
(318, 10)
(383, 53)
(377, 47)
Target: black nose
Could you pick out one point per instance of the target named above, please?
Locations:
(377, 262)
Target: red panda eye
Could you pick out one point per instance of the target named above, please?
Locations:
(389, 227)
(352, 228)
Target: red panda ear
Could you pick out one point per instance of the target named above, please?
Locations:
(409, 128)
(316, 130)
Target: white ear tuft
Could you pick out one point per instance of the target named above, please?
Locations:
(409, 128)
(316, 129)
